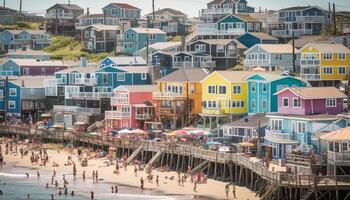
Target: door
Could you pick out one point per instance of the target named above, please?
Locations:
(68, 121)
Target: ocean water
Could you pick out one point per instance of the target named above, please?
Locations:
(15, 186)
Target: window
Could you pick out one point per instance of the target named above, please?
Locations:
(296, 103)
(276, 124)
(237, 104)
(345, 146)
(2, 83)
(43, 71)
(327, 56)
(331, 102)
(211, 104)
(301, 127)
(222, 89)
(152, 36)
(220, 49)
(264, 104)
(264, 87)
(57, 69)
(328, 70)
(200, 47)
(211, 89)
(26, 71)
(120, 77)
(341, 56)
(236, 89)
(86, 33)
(342, 70)
(105, 79)
(285, 102)
(253, 87)
(13, 92)
(11, 105)
(253, 104)
(143, 76)
(1, 94)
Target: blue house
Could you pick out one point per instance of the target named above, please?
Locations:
(123, 61)
(263, 86)
(24, 39)
(122, 11)
(137, 38)
(250, 39)
(12, 97)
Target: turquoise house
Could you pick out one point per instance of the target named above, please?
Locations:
(263, 86)
(250, 39)
(13, 97)
(239, 22)
(137, 38)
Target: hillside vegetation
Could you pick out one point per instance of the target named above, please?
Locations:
(66, 48)
(21, 26)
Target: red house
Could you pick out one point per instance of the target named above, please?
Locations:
(131, 107)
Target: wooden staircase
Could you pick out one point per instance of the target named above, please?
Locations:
(155, 157)
(270, 192)
(134, 154)
(201, 167)
(307, 195)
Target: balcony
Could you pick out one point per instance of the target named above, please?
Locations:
(279, 137)
(86, 81)
(256, 62)
(89, 95)
(213, 111)
(117, 115)
(310, 77)
(171, 111)
(338, 157)
(216, 11)
(310, 62)
(119, 101)
(77, 110)
(185, 64)
(289, 33)
(213, 29)
(311, 18)
(168, 95)
(143, 116)
(59, 16)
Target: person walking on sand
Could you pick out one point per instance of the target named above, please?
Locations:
(38, 174)
(234, 191)
(227, 188)
(142, 183)
(116, 189)
(52, 197)
(83, 175)
(91, 195)
(195, 186)
(157, 180)
(93, 175)
(112, 189)
(96, 174)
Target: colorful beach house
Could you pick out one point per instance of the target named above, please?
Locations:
(271, 57)
(224, 97)
(123, 61)
(24, 39)
(324, 64)
(131, 106)
(178, 98)
(138, 38)
(156, 47)
(122, 11)
(250, 39)
(262, 87)
(302, 113)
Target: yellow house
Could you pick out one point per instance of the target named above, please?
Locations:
(179, 96)
(324, 64)
(224, 96)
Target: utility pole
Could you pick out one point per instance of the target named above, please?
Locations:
(334, 21)
(329, 10)
(4, 3)
(5, 98)
(68, 2)
(56, 21)
(293, 44)
(147, 50)
(20, 6)
(154, 14)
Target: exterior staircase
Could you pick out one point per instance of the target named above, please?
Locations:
(134, 154)
(308, 194)
(191, 36)
(201, 167)
(93, 127)
(270, 192)
(155, 157)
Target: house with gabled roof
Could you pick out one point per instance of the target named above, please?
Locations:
(24, 39)
(250, 39)
(122, 11)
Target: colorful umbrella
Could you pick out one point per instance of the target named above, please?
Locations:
(224, 149)
(201, 132)
(124, 131)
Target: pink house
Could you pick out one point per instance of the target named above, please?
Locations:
(131, 107)
(310, 101)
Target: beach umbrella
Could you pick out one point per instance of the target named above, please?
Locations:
(212, 143)
(79, 123)
(224, 149)
(124, 131)
(138, 131)
(201, 132)
(57, 126)
(181, 132)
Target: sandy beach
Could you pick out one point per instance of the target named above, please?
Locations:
(212, 189)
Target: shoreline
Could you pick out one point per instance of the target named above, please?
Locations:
(211, 190)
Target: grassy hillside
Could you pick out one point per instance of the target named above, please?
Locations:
(66, 48)
(21, 26)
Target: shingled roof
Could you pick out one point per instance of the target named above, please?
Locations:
(185, 75)
(315, 92)
(124, 6)
(169, 10)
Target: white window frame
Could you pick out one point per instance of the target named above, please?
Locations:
(331, 103)
(325, 70)
(262, 87)
(253, 103)
(9, 105)
(221, 87)
(278, 122)
(119, 75)
(327, 56)
(343, 73)
(214, 89)
(262, 103)
(236, 88)
(285, 98)
(43, 71)
(13, 90)
(253, 85)
(143, 76)
(341, 56)
(294, 103)
(2, 83)
(301, 125)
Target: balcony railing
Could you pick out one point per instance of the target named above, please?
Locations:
(143, 116)
(278, 136)
(119, 101)
(310, 77)
(77, 110)
(201, 64)
(289, 33)
(86, 81)
(186, 64)
(310, 62)
(168, 95)
(59, 16)
(116, 115)
(6, 73)
(89, 95)
(338, 157)
(311, 18)
(217, 11)
(257, 61)
(171, 111)
(213, 111)
(213, 29)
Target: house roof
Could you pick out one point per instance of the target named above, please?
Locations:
(96, 16)
(135, 69)
(185, 75)
(219, 1)
(262, 36)
(338, 135)
(125, 6)
(37, 63)
(315, 92)
(30, 81)
(246, 18)
(101, 27)
(217, 41)
(128, 60)
(270, 76)
(148, 30)
(169, 10)
(296, 8)
(305, 39)
(32, 32)
(240, 45)
(28, 52)
(274, 48)
(235, 76)
(251, 121)
(317, 117)
(159, 46)
(328, 48)
(83, 70)
(68, 6)
(6, 8)
(137, 88)
(343, 13)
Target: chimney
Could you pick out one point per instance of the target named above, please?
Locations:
(68, 2)
(87, 11)
(83, 62)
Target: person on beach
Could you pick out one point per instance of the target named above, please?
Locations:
(93, 175)
(83, 175)
(142, 183)
(54, 173)
(91, 195)
(116, 189)
(47, 185)
(135, 171)
(234, 191)
(112, 189)
(72, 193)
(56, 183)
(157, 180)
(227, 188)
(38, 174)
(52, 197)
(65, 190)
(195, 186)
(27, 175)
(96, 174)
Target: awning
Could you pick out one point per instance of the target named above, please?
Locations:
(143, 106)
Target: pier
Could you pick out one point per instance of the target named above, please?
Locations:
(229, 167)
